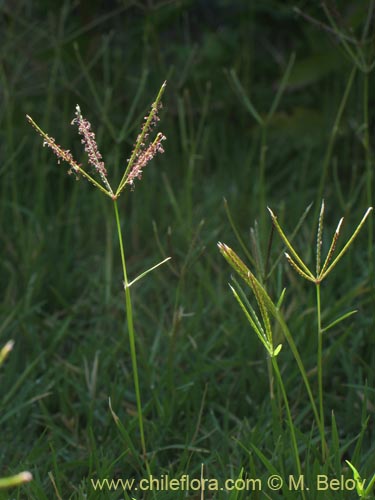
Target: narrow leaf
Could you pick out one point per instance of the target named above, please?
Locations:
(282, 86)
(142, 275)
(276, 352)
(244, 98)
(236, 232)
(357, 479)
(252, 323)
(338, 320)
(281, 299)
(249, 307)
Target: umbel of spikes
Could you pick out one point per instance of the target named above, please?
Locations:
(321, 271)
(143, 151)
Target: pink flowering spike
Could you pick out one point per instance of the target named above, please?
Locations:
(144, 151)
(91, 147)
(62, 154)
(144, 157)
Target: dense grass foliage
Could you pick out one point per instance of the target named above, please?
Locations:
(267, 104)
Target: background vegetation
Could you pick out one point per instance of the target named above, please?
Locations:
(203, 373)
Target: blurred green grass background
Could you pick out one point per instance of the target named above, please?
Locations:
(203, 375)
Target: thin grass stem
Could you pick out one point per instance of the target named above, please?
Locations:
(369, 173)
(289, 416)
(262, 173)
(302, 370)
(133, 353)
(320, 369)
(335, 129)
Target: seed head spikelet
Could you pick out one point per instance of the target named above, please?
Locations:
(297, 268)
(234, 260)
(91, 147)
(319, 239)
(144, 151)
(145, 155)
(243, 271)
(333, 246)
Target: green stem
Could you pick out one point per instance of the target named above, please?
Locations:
(275, 402)
(262, 174)
(302, 370)
(332, 138)
(133, 354)
(270, 379)
(289, 416)
(320, 370)
(369, 174)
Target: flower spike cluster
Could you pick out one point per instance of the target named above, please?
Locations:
(321, 270)
(143, 151)
(262, 327)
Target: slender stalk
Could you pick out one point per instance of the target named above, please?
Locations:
(275, 400)
(270, 379)
(289, 416)
(369, 173)
(133, 354)
(302, 370)
(332, 138)
(320, 369)
(262, 173)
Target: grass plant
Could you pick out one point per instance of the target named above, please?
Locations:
(143, 152)
(322, 272)
(262, 329)
(266, 306)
